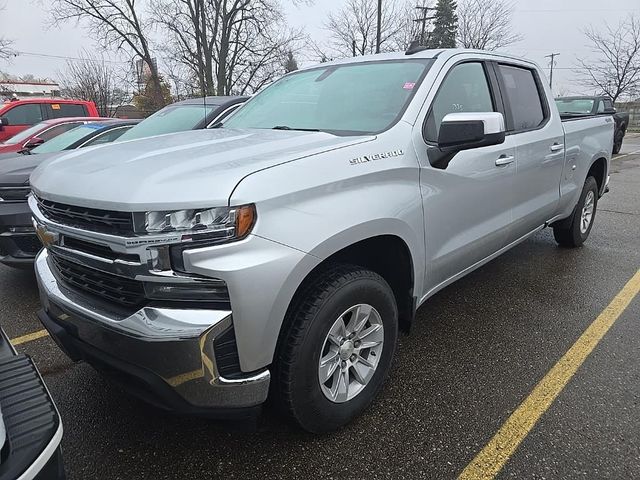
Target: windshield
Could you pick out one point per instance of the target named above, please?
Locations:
(66, 139)
(25, 134)
(174, 118)
(348, 99)
(577, 105)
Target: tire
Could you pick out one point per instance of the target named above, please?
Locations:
(617, 141)
(571, 232)
(329, 296)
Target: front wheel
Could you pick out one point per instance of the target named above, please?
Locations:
(337, 351)
(574, 231)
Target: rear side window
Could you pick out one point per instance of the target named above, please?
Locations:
(60, 110)
(57, 130)
(608, 104)
(524, 97)
(28, 114)
(465, 89)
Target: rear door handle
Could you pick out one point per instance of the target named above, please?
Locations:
(504, 160)
(556, 147)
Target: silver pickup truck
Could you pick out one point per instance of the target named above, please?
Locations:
(280, 254)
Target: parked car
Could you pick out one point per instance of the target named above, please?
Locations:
(18, 241)
(43, 132)
(18, 115)
(571, 107)
(30, 425)
(192, 114)
(284, 250)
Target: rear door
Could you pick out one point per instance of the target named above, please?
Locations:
(539, 139)
(63, 110)
(467, 206)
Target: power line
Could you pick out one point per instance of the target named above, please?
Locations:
(64, 57)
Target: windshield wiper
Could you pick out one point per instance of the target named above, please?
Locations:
(25, 151)
(286, 127)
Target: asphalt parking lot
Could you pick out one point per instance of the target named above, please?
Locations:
(477, 351)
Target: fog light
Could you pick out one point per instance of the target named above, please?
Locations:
(206, 291)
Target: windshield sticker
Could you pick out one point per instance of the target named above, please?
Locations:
(55, 106)
(375, 156)
(409, 85)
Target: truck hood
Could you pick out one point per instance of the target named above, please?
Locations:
(194, 169)
(15, 170)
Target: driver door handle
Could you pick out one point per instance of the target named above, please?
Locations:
(504, 160)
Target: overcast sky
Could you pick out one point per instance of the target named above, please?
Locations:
(548, 26)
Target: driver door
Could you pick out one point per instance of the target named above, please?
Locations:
(468, 205)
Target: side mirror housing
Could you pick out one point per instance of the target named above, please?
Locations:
(33, 142)
(610, 111)
(4, 121)
(464, 131)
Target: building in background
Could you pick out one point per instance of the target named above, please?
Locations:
(28, 89)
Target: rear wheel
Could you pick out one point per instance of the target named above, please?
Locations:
(617, 141)
(574, 231)
(338, 348)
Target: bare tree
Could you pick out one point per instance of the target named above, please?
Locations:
(229, 45)
(115, 23)
(6, 45)
(486, 24)
(615, 69)
(352, 30)
(93, 79)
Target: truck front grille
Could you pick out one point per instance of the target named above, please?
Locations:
(96, 283)
(108, 221)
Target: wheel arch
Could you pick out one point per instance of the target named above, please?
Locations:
(598, 170)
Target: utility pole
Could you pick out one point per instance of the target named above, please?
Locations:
(423, 22)
(552, 63)
(379, 27)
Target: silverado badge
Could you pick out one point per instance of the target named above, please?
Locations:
(375, 156)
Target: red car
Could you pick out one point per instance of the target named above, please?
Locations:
(18, 115)
(43, 131)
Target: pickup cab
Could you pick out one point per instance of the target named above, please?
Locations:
(572, 107)
(280, 253)
(18, 115)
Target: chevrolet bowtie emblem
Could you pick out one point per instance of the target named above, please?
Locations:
(46, 237)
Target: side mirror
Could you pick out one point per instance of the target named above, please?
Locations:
(33, 142)
(464, 131)
(610, 111)
(4, 121)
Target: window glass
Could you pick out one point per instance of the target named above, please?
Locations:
(24, 134)
(107, 137)
(465, 89)
(28, 114)
(67, 139)
(601, 107)
(608, 104)
(225, 114)
(524, 98)
(575, 105)
(174, 118)
(341, 99)
(60, 110)
(57, 130)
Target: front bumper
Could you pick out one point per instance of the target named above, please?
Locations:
(164, 355)
(17, 248)
(33, 427)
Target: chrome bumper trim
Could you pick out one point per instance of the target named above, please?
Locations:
(176, 345)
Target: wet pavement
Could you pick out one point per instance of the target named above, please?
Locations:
(476, 351)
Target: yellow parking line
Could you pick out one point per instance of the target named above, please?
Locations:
(29, 337)
(492, 458)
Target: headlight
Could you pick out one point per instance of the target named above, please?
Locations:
(219, 222)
